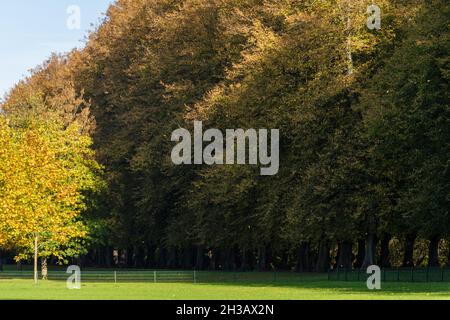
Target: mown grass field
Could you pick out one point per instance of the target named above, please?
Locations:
(308, 288)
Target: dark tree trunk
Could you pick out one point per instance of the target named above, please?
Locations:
(80, 261)
(130, 257)
(187, 260)
(95, 257)
(91, 257)
(284, 263)
(234, 258)
(226, 259)
(323, 257)
(160, 255)
(149, 256)
(338, 253)
(448, 255)
(345, 255)
(218, 259)
(192, 261)
(361, 253)
(303, 263)
(369, 257)
(171, 260)
(109, 256)
(212, 260)
(244, 260)
(385, 259)
(200, 258)
(139, 260)
(101, 256)
(433, 252)
(229, 259)
(123, 255)
(262, 266)
(269, 258)
(1, 260)
(408, 258)
(252, 259)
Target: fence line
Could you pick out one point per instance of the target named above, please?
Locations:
(193, 276)
(110, 276)
(161, 276)
(430, 274)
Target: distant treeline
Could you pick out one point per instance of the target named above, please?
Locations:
(364, 120)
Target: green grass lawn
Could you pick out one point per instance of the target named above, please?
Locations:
(306, 289)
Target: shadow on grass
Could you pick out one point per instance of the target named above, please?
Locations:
(320, 283)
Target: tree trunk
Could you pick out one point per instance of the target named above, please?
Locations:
(345, 255)
(234, 257)
(171, 261)
(123, 258)
(212, 260)
(44, 269)
(1, 260)
(100, 257)
(36, 254)
(89, 258)
(160, 255)
(139, 260)
(369, 257)
(220, 259)
(79, 261)
(338, 253)
(361, 253)
(448, 256)
(130, 257)
(385, 259)
(252, 260)
(408, 258)
(187, 260)
(262, 258)
(433, 254)
(227, 262)
(200, 258)
(323, 258)
(269, 258)
(349, 46)
(244, 260)
(303, 263)
(284, 263)
(149, 256)
(109, 256)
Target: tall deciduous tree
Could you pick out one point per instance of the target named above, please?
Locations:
(46, 171)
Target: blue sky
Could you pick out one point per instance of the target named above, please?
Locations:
(30, 30)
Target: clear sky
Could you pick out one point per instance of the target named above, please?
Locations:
(30, 30)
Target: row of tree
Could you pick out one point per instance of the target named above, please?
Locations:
(364, 118)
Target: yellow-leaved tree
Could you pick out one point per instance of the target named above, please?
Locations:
(46, 170)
